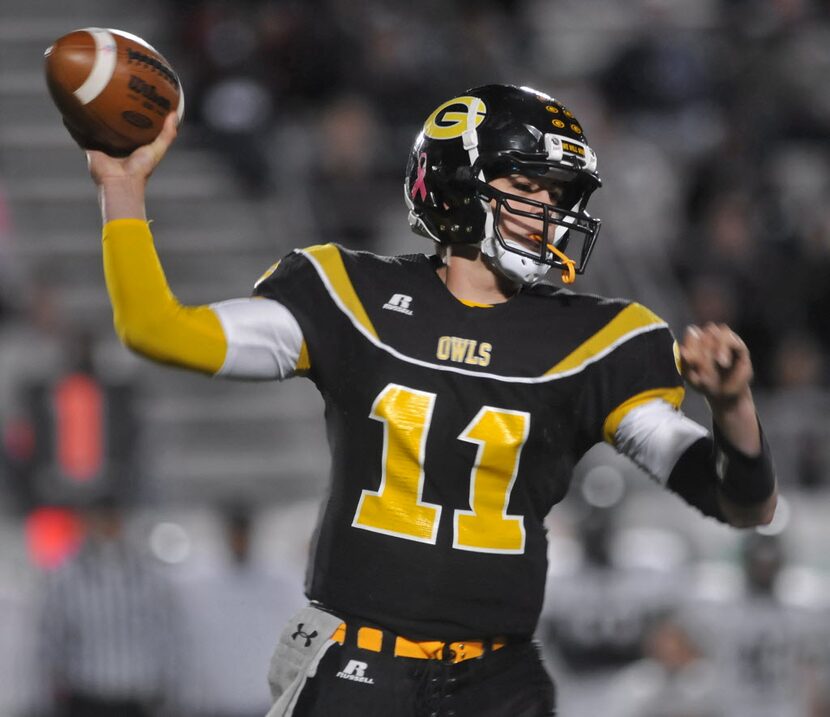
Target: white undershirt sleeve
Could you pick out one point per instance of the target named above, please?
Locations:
(654, 435)
(264, 339)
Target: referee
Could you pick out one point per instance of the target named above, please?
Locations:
(108, 638)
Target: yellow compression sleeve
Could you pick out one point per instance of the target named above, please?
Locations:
(147, 316)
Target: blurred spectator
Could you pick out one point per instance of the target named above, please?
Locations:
(778, 60)
(766, 649)
(812, 301)
(639, 216)
(31, 352)
(74, 435)
(597, 616)
(235, 614)
(400, 50)
(237, 111)
(725, 268)
(798, 363)
(799, 411)
(31, 344)
(345, 184)
(310, 50)
(597, 613)
(662, 82)
(110, 637)
(18, 682)
(675, 679)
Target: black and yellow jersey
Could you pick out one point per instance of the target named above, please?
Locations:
(453, 431)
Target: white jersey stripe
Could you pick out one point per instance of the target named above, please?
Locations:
(654, 435)
(264, 339)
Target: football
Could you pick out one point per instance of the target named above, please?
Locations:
(112, 88)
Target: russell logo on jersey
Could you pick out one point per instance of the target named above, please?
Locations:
(399, 303)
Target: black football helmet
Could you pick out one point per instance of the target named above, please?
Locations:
(501, 131)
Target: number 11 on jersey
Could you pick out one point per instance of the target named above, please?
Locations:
(397, 508)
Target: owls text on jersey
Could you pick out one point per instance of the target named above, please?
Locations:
(454, 429)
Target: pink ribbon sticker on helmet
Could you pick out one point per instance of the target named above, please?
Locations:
(420, 187)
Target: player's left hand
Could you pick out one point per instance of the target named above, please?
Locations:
(715, 361)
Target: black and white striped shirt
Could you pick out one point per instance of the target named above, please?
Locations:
(109, 626)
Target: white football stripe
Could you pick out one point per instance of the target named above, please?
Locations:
(102, 68)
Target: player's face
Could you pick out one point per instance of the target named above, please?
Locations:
(526, 230)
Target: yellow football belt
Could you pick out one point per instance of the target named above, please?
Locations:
(370, 638)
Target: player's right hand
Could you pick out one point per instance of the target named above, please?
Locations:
(715, 362)
(139, 165)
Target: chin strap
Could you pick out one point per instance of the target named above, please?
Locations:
(569, 271)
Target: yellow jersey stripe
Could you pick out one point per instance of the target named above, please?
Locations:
(475, 304)
(673, 395)
(630, 321)
(270, 270)
(303, 362)
(328, 259)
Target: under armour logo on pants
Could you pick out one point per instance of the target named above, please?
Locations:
(308, 636)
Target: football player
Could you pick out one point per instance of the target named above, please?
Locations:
(460, 390)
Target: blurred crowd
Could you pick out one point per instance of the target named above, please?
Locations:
(638, 622)
(711, 120)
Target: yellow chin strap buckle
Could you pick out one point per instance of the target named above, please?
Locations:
(569, 272)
